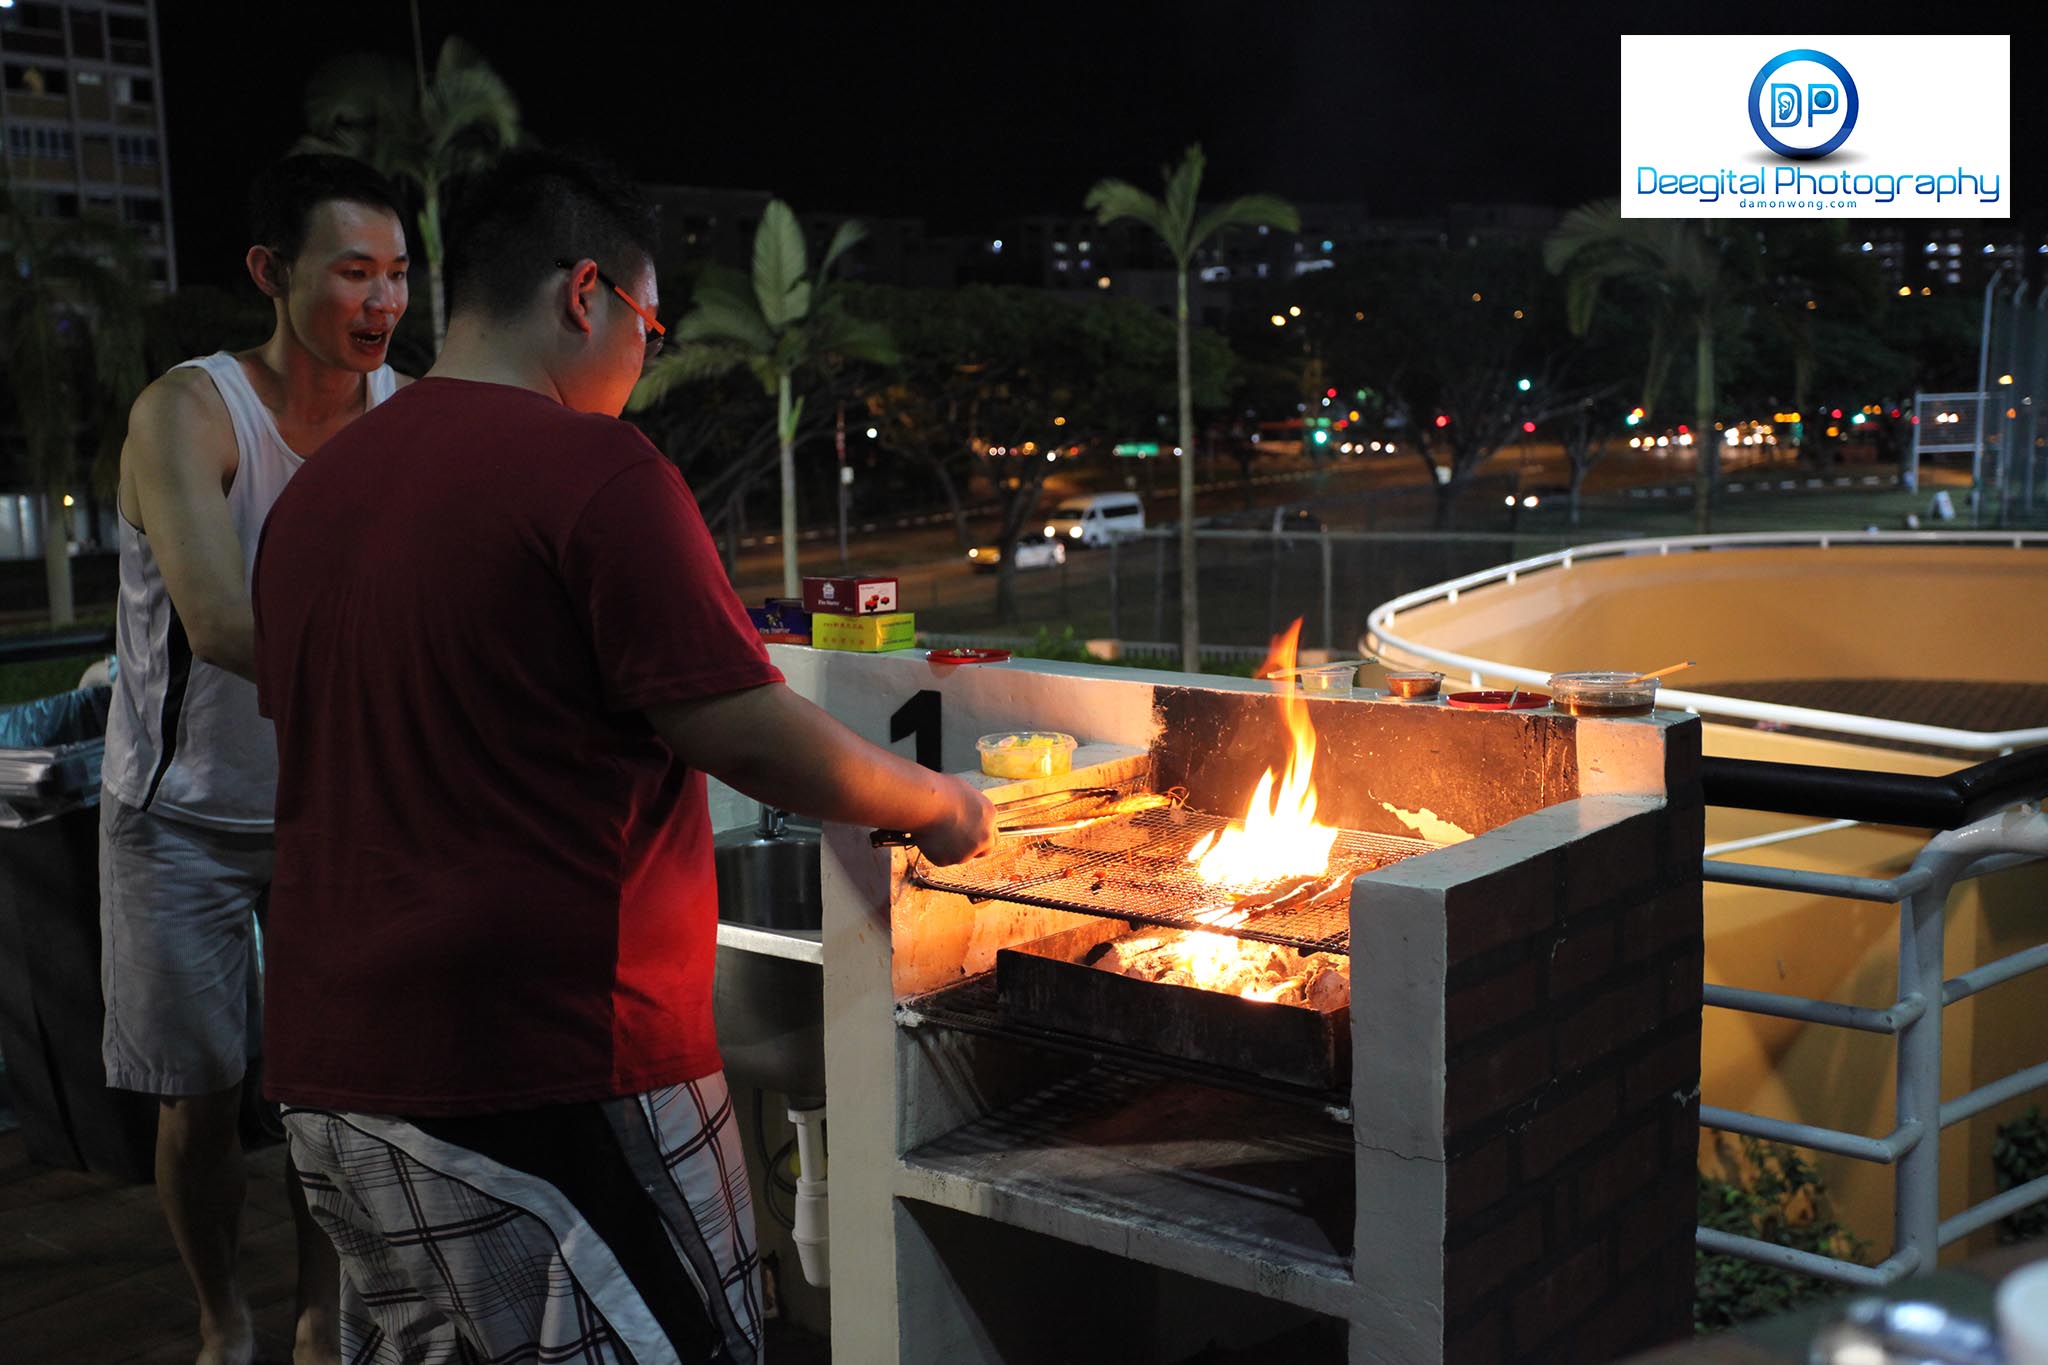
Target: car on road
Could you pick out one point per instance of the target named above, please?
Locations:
(1030, 554)
(1097, 519)
(1274, 520)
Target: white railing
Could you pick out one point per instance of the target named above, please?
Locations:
(1381, 636)
(2010, 838)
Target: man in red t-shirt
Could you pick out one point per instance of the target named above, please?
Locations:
(501, 655)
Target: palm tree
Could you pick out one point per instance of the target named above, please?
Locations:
(779, 322)
(419, 132)
(1174, 219)
(57, 279)
(1692, 272)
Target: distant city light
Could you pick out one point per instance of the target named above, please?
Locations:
(996, 246)
(1476, 297)
(1904, 290)
(1528, 427)
(1059, 421)
(1294, 310)
(873, 432)
(1279, 321)
(67, 496)
(1102, 281)
(1522, 384)
(1442, 421)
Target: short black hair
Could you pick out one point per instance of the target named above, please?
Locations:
(285, 193)
(511, 223)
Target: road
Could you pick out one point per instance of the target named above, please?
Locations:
(1374, 492)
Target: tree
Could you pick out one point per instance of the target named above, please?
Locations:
(421, 133)
(997, 384)
(1695, 275)
(782, 321)
(71, 304)
(1461, 349)
(1175, 219)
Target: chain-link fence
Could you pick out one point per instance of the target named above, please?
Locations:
(1253, 583)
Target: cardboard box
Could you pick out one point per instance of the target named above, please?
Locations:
(780, 616)
(865, 634)
(854, 595)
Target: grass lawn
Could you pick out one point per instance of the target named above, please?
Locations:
(46, 677)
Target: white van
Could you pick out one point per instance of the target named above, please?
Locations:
(1097, 519)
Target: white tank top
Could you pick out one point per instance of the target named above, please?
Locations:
(184, 739)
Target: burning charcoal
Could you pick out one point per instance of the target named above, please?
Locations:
(1328, 990)
(1177, 977)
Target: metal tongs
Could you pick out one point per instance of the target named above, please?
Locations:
(1046, 801)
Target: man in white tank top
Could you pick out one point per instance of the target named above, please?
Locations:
(191, 768)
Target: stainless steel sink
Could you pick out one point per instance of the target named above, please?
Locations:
(771, 1010)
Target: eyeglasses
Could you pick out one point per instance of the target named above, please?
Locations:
(656, 333)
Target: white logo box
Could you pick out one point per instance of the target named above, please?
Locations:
(1930, 137)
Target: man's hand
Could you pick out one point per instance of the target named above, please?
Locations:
(967, 831)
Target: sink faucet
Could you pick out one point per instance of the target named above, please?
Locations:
(772, 821)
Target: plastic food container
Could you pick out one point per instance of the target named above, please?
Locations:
(1328, 680)
(1604, 694)
(1413, 686)
(1026, 753)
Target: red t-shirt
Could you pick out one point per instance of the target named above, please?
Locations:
(494, 885)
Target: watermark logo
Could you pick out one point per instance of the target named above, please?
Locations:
(1803, 104)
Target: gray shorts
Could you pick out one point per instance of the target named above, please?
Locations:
(179, 959)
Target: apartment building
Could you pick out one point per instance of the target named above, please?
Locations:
(81, 117)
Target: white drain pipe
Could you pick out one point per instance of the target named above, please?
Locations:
(813, 1233)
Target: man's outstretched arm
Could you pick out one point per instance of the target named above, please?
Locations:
(780, 749)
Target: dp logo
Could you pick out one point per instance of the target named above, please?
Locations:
(1802, 104)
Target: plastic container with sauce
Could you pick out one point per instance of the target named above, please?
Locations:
(1026, 753)
(1603, 694)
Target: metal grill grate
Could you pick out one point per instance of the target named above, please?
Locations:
(1135, 867)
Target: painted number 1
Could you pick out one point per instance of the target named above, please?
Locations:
(919, 717)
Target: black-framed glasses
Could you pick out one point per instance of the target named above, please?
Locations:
(656, 333)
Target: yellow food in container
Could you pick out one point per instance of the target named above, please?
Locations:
(1026, 753)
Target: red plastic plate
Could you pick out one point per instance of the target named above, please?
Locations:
(1496, 701)
(968, 656)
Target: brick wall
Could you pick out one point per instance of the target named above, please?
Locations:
(1541, 1110)
(1571, 1098)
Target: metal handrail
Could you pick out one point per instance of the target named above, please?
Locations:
(1380, 637)
(2007, 838)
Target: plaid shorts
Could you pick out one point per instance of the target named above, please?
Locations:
(618, 1232)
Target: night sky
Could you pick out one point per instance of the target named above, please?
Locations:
(966, 114)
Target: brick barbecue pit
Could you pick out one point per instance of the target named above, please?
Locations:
(1503, 1171)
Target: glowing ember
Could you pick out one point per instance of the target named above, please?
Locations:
(1279, 835)
(1212, 962)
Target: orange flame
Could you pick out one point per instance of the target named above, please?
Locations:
(1279, 835)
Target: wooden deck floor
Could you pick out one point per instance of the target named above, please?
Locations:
(88, 1275)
